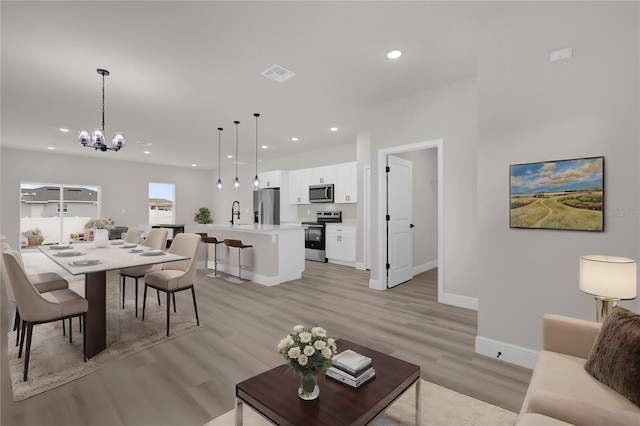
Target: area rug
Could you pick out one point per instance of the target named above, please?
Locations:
(439, 407)
(54, 361)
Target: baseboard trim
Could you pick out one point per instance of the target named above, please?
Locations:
(425, 267)
(459, 301)
(512, 354)
(376, 284)
(360, 266)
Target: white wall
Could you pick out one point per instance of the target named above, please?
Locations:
(532, 110)
(425, 206)
(448, 113)
(125, 185)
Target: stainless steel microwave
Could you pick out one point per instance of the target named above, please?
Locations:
(321, 193)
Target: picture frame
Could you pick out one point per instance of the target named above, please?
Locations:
(565, 195)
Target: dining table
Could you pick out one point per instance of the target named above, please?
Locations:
(94, 263)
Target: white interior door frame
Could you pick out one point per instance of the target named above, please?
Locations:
(366, 223)
(381, 282)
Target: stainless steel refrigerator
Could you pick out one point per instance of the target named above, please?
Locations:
(266, 206)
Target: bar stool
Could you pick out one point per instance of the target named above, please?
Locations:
(211, 240)
(240, 246)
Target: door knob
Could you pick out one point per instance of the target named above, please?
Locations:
(412, 226)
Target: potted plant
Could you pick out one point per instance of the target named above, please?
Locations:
(203, 215)
(34, 236)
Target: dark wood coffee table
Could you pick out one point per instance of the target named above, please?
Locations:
(274, 394)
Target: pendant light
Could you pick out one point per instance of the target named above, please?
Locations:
(236, 183)
(256, 181)
(95, 140)
(219, 186)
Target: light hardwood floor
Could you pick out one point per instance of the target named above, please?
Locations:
(191, 379)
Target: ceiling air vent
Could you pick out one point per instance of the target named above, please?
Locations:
(278, 73)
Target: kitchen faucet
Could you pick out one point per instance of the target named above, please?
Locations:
(235, 212)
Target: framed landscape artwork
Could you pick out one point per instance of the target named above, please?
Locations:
(563, 194)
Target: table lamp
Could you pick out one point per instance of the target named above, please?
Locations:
(608, 278)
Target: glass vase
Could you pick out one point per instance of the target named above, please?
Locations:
(309, 389)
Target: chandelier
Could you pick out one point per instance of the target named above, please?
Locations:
(96, 138)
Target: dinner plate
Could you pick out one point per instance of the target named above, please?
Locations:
(68, 253)
(59, 247)
(129, 245)
(85, 262)
(153, 253)
(117, 242)
(136, 250)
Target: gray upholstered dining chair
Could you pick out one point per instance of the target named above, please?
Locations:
(176, 276)
(156, 239)
(132, 235)
(44, 282)
(39, 308)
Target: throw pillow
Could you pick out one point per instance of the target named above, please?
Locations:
(615, 356)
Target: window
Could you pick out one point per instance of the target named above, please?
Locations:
(161, 203)
(58, 211)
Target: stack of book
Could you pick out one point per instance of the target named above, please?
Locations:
(351, 368)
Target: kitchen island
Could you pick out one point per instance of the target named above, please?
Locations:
(277, 254)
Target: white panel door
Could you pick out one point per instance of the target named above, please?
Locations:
(400, 211)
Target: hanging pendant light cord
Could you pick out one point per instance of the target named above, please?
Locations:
(103, 104)
(219, 138)
(236, 123)
(256, 115)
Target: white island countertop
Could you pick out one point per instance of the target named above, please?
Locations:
(255, 228)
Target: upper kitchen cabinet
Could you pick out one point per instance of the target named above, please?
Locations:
(346, 183)
(272, 179)
(322, 175)
(299, 186)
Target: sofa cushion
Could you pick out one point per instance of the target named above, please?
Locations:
(565, 375)
(615, 356)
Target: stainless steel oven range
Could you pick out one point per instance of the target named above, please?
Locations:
(315, 235)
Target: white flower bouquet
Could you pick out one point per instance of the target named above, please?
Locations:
(307, 350)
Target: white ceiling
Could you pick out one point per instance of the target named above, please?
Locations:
(180, 70)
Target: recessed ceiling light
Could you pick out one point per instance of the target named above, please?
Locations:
(62, 129)
(229, 156)
(194, 165)
(51, 148)
(295, 139)
(264, 147)
(394, 54)
(144, 143)
(147, 152)
(334, 129)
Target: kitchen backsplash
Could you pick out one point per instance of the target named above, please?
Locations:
(307, 212)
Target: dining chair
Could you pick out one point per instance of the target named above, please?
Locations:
(44, 282)
(132, 235)
(156, 239)
(40, 308)
(176, 276)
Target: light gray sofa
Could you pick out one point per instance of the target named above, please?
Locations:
(561, 391)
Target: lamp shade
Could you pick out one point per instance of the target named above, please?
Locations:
(608, 276)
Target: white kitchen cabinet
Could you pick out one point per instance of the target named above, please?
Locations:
(299, 186)
(272, 179)
(280, 179)
(346, 183)
(322, 175)
(340, 244)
